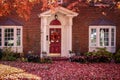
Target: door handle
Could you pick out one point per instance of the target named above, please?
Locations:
(47, 37)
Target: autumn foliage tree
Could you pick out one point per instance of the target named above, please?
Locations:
(23, 7)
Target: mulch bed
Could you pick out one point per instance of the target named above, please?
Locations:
(64, 70)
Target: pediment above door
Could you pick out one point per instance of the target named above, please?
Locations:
(59, 9)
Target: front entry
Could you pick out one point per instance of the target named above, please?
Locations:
(56, 32)
(55, 41)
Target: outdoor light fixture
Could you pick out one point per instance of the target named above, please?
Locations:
(56, 16)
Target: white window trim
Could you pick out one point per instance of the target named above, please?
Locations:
(15, 47)
(91, 48)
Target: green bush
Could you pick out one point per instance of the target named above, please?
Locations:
(100, 55)
(46, 60)
(105, 56)
(8, 55)
(104, 52)
(80, 59)
(117, 56)
(33, 58)
(24, 59)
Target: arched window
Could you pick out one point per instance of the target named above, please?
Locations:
(55, 22)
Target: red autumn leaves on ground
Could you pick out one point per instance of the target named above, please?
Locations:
(64, 70)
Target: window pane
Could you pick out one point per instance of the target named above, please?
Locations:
(18, 37)
(9, 37)
(93, 37)
(104, 37)
(112, 37)
(0, 37)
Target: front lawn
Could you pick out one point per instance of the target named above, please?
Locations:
(64, 70)
(11, 73)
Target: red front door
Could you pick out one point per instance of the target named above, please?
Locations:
(55, 41)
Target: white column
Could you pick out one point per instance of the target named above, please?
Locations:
(44, 33)
(41, 37)
(70, 33)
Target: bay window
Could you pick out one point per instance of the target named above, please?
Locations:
(11, 36)
(103, 37)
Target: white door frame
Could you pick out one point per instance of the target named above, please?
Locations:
(65, 17)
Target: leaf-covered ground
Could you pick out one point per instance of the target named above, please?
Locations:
(64, 70)
(11, 73)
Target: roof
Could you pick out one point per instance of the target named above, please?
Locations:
(9, 21)
(102, 21)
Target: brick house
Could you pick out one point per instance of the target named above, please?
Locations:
(57, 33)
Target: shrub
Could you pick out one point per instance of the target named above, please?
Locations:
(81, 59)
(117, 56)
(101, 55)
(17, 55)
(46, 60)
(92, 59)
(104, 52)
(105, 56)
(24, 59)
(8, 54)
(33, 58)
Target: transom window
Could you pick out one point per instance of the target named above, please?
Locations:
(101, 36)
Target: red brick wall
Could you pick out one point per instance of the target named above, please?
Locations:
(81, 26)
(80, 39)
(31, 32)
